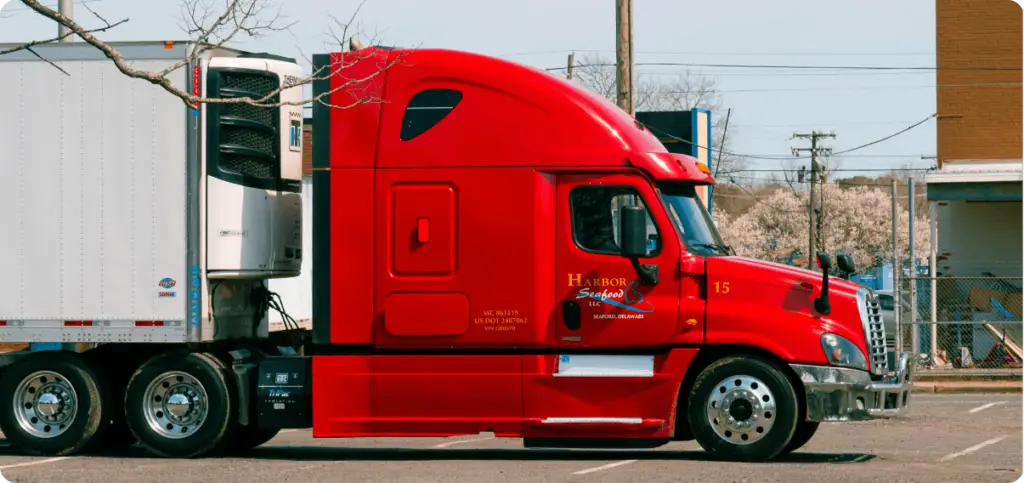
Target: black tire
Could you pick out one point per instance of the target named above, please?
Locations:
(736, 379)
(240, 439)
(114, 373)
(804, 432)
(116, 435)
(249, 437)
(81, 432)
(220, 400)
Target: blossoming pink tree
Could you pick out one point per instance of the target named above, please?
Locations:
(857, 221)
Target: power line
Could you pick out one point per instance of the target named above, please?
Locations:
(866, 87)
(851, 170)
(810, 67)
(761, 54)
(922, 121)
(781, 74)
(781, 158)
(839, 182)
(835, 123)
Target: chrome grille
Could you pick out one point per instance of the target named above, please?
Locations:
(874, 335)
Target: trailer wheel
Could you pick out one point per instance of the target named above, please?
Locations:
(53, 404)
(743, 408)
(116, 436)
(180, 405)
(804, 432)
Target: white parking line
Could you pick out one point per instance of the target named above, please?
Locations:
(33, 463)
(604, 467)
(971, 449)
(985, 406)
(462, 441)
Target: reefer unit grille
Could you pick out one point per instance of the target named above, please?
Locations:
(244, 141)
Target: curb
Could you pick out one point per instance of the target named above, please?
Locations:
(966, 388)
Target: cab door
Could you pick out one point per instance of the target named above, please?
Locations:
(602, 302)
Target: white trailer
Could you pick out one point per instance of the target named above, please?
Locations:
(134, 225)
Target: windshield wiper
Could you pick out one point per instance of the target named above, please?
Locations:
(720, 248)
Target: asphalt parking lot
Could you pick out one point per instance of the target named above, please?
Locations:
(943, 438)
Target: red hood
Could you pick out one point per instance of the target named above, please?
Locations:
(772, 305)
(835, 284)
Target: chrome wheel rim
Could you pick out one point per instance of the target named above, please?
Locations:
(741, 409)
(45, 404)
(175, 405)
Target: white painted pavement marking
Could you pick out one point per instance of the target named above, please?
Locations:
(971, 449)
(34, 462)
(604, 467)
(985, 406)
(462, 441)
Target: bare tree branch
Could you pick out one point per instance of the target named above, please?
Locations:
(678, 93)
(211, 31)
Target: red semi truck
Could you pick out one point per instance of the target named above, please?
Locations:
(499, 250)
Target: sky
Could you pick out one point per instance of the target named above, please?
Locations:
(767, 104)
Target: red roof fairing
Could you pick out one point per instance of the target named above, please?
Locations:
(509, 115)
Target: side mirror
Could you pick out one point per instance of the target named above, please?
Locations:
(821, 304)
(633, 240)
(633, 231)
(824, 261)
(846, 263)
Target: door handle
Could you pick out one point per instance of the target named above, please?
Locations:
(571, 314)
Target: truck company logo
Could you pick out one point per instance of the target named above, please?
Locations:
(168, 283)
(615, 292)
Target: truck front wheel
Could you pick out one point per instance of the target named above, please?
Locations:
(804, 432)
(54, 404)
(743, 408)
(181, 405)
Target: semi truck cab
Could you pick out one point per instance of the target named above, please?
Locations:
(533, 262)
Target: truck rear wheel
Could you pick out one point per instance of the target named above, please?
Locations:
(249, 437)
(181, 405)
(54, 404)
(743, 408)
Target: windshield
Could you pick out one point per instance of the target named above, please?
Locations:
(691, 219)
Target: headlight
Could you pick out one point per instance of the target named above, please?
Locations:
(841, 352)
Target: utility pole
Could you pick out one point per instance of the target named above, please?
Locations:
(572, 64)
(812, 221)
(624, 54)
(67, 9)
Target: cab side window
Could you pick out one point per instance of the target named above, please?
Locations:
(595, 218)
(426, 109)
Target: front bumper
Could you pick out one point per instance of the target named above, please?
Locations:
(841, 394)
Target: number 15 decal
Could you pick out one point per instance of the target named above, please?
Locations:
(722, 287)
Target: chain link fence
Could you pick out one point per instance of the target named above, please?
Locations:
(960, 323)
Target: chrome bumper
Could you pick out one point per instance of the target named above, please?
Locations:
(841, 394)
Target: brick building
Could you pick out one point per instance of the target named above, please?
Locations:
(975, 195)
(981, 119)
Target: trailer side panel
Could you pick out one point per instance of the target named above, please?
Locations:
(94, 198)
